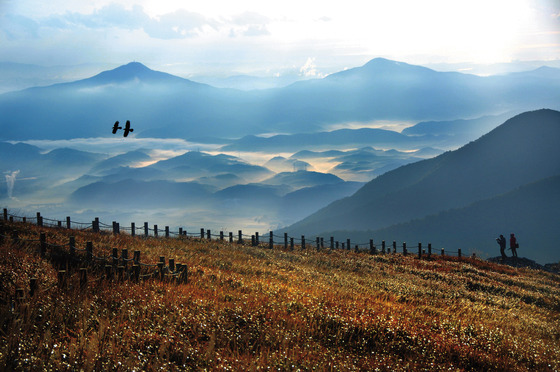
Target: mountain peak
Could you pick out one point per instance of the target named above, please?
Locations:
(383, 67)
(134, 71)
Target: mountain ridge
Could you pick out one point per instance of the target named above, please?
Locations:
(189, 109)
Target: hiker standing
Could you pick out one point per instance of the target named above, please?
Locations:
(502, 242)
(513, 245)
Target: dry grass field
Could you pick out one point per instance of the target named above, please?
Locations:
(249, 308)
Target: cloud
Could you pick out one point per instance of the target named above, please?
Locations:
(175, 25)
(250, 18)
(16, 27)
(256, 30)
(249, 24)
(178, 24)
(309, 69)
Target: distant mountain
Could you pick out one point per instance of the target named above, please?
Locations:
(302, 179)
(336, 138)
(247, 82)
(132, 73)
(65, 157)
(465, 130)
(162, 105)
(142, 194)
(521, 151)
(281, 164)
(194, 164)
(123, 160)
(298, 204)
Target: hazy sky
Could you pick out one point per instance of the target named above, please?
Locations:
(246, 36)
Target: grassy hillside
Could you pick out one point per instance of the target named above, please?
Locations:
(251, 308)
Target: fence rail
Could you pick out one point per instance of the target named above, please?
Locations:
(285, 241)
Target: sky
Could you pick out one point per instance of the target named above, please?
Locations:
(258, 37)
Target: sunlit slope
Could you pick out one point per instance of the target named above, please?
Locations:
(251, 307)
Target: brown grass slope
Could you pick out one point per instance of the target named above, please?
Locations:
(252, 308)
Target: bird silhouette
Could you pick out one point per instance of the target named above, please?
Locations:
(116, 127)
(127, 128)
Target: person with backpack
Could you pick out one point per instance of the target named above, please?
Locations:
(513, 245)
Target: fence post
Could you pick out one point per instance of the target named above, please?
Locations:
(136, 257)
(62, 278)
(419, 250)
(43, 240)
(155, 231)
(443, 251)
(124, 256)
(32, 286)
(383, 246)
(429, 250)
(146, 230)
(202, 233)
(459, 252)
(115, 257)
(5, 214)
(348, 244)
(253, 241)
(136, 271)
(68, 223)
(39, 219)
(372, 249)
(208, 234)
(161, 265)
(394, 246)
(285, 241)
(167, 231)
(240, 237)
(271, 241)
(230, 237)
(221, 236)
(322, 243)
(172, 264)
(108, 272)
(72, 246)
(257, 238)
(132, 229)
(83, 277)
(317, 243)
(331, 246)
(180, 231)
(303, 242)
(89, 251)
(292, 244)
(404, 251)
(96, 228)
(336, 244)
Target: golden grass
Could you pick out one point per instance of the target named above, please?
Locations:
(251, 308)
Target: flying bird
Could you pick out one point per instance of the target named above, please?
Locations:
(127, 128)
(116, 127)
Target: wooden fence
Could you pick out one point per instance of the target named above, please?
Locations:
(285, 241)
